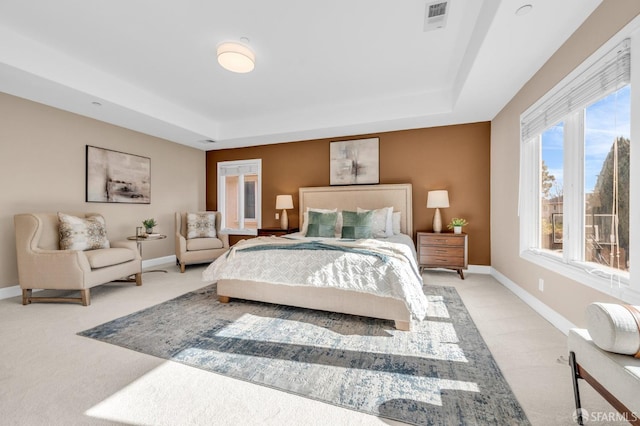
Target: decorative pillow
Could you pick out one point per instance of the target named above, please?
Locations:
(356, 225)
(382, 225)
(305, 218)
(77, 233)
(322, 224)
(396, 217)
(201, 225)
(613, 328)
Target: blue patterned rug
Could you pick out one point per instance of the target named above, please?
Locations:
(440, 374)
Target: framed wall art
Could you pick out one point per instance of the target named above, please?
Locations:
(117, 177)
(355, 162)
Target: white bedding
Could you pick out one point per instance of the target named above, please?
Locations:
(392, 273)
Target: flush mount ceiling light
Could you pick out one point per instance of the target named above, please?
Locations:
(236, 57)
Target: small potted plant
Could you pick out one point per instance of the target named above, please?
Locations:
(456, 224)
(149, 224)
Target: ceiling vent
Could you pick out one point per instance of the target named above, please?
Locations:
(207, 141)
(435, 16)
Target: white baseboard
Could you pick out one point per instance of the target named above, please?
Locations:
(158, 261)
(479, 269)
(557, 320)
(15, 290)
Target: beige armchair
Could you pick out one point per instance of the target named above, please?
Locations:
(42, 265)
(198, 250)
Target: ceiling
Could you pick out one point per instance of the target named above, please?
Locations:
(323, 69)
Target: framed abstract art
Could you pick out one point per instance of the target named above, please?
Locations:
(117, 177)
(355, 162)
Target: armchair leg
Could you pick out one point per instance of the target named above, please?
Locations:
(26, 296)
(139, 278)
(182, 267)
(85, 295)
(85, 298)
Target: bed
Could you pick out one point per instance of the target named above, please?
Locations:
(397, 295)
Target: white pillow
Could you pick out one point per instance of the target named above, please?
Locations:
(201, 225)
(613, 328)
(76, 233)
(382, 224)
(305, 218)
(396, 218)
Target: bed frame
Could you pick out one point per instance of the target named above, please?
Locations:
(331, 299)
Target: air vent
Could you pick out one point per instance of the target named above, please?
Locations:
(435, 16)
(207, 141)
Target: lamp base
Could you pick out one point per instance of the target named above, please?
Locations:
(437, 221)
(284, 221)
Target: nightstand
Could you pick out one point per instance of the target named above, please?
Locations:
(442, 250)
(276, 232)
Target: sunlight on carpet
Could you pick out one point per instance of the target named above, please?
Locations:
(438, 373)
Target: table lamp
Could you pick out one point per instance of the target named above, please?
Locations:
(437, 200)
(284, 202)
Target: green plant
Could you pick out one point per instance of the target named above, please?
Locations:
(149, 223)
(457, 221)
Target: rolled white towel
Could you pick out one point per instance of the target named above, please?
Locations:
(614, 327)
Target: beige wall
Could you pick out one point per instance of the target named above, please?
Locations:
(42, 168)
(563, 295)
(455, 158)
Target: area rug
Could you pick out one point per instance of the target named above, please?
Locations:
(442, 373)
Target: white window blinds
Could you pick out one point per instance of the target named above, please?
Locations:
(605, 76)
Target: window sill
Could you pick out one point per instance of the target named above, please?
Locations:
(613, 286)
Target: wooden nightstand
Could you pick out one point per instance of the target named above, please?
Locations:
(442, 250)
(276, 232)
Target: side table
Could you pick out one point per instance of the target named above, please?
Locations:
(442, 250)
(140, 240)
(276, 232)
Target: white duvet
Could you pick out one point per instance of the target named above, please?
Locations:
(373, 266)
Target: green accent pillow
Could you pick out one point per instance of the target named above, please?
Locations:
(322, 224)
(357, 225)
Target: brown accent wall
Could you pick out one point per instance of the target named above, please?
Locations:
(456, 158)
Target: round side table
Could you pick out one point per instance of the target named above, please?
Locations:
(140, 240)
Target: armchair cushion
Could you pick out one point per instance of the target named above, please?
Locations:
(107, 257)
(204, 244)
(201, 225)
(82, 233)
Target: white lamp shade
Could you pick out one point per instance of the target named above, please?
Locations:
(236, 57)
(284, 202)
(438, 199)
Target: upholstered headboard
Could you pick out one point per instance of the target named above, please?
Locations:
(364, 196)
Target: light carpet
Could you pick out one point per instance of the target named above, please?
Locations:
(441, 373)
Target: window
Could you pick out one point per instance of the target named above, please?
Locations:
(606, 180)
(551, 173)
(576, 173)
(239, 188)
